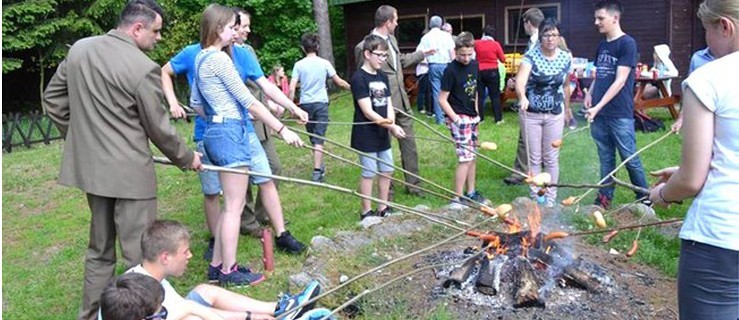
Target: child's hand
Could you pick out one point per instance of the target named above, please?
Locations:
(397, 131)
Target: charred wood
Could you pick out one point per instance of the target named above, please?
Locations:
(527, 289)
(460, 274)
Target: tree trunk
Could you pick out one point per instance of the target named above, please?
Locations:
(325, 49)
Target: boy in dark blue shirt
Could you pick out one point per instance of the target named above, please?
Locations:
(610, 101)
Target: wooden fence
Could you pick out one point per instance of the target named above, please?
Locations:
(28, 129)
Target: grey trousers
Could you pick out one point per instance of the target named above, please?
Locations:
(255, 214)
(408, 150)
(522, 158)
(111, 218)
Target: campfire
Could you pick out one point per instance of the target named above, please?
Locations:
(521, 267)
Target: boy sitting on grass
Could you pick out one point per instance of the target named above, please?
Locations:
(312, 72)
(372, 103)
(458, 100)
(165, 247)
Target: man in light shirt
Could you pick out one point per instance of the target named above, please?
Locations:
(444, 44)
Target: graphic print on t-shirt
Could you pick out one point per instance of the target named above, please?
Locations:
(607, 64)
(470, 86)
(377, 93)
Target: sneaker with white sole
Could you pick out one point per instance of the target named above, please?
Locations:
(236, 277)
(317, 314)
(290, 305)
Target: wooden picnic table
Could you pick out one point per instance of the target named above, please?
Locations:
(665, 99)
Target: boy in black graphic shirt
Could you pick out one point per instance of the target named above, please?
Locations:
(372, 103)
(458, 99)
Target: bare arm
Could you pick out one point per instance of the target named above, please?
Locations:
(186, 309)
(293, 87)
(524, 72)
(446, 107)
(340, 82)
(622, 74)
(365, 105)
(696, 152)
(276, 95)
(168, 87)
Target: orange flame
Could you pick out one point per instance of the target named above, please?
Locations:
(524, 247)
(513, 225)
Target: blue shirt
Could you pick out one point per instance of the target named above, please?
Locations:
(610, 56)
(184, 62)
(700, 58)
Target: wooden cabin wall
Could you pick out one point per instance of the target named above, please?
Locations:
(671, 22)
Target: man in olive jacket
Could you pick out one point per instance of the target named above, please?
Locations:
(386, 20)
(106, 100)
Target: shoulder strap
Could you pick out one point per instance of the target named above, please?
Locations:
(208, 110)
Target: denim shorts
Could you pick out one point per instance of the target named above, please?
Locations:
(197, 298)
(317, 111)
(227, 143)
(258, 162)
(210, 184)
(371, 166)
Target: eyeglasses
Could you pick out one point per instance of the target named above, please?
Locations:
(379, 55)
(162, 314)
(550, 36)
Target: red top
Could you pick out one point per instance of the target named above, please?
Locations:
(488, 53)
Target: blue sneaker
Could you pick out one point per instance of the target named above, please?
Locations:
(317, 314)
(290, 305)
(238, 278)
(213, 272)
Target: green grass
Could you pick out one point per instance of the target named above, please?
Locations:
(45, 226)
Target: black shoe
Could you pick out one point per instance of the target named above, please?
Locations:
(370, 213)
(287, 243)
(386, 212)
(213, 272)
(415, 192)
(208, 254)
(513, 180)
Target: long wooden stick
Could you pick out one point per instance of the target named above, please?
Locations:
(397, 260)
(623, 163)
(382, 161)
(357, 164)
(445, 137)
(633, 226)
(603, 185)
(419, 213)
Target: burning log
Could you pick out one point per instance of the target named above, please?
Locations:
(460, 274)
(527, 292)
(488, 281)
(587, 275)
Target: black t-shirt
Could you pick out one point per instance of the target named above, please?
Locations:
(461, 83)
(370, 137)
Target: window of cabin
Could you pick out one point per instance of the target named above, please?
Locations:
(515, 34)
(473, 23)
(409, 31)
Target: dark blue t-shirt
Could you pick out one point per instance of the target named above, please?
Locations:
(461, 82)
(184, 62)
(370, 137)
(611, 55)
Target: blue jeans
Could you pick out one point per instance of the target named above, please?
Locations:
(317, 111)
(436, 71)
(610, 135)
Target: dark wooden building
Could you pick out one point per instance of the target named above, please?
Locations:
(651, 22)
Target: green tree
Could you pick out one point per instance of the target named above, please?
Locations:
(37, 34)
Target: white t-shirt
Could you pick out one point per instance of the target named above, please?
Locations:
(171, 297)
(439, 40)
(713, 217)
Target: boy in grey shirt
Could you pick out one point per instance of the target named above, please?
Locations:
(312, 72)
